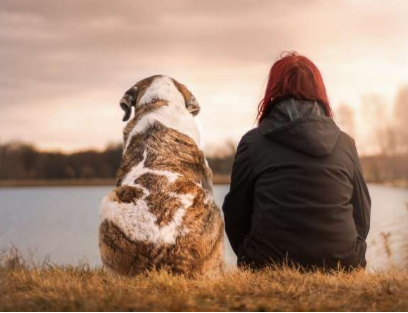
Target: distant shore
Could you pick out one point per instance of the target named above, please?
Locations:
(395, 183)
(218, 180)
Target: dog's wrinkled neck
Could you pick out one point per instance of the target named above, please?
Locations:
(183, 122)
(148, 108)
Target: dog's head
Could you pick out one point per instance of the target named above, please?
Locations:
(155, 89)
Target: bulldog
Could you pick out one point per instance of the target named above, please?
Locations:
(162, 214)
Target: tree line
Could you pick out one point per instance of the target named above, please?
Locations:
(385, 130)
(22, 161)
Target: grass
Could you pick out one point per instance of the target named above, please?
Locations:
(53, 288)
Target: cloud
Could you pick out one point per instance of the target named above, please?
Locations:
(83, 54)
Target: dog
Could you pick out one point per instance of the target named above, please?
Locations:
(162, 214)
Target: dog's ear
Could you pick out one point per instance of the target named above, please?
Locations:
(191, 103)
(128, 101)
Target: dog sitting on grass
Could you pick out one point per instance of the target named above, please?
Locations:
(162, 214)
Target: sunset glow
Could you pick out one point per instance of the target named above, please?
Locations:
(65, 65)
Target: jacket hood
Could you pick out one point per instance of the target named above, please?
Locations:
(301, 125)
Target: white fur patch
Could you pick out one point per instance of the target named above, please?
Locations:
(137, 223)
(140, 169)
(162, 88)
(136, 220)
(173, 115)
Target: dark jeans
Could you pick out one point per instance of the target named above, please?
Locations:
(250, 257)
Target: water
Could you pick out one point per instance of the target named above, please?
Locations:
(61, 224)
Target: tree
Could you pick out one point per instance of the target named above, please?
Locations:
(379, 128)
(401, 119)
(345, 118)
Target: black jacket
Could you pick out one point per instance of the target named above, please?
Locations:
(297, 192)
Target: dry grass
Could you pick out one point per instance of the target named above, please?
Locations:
(50, 288)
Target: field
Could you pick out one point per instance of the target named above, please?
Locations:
(49, 288)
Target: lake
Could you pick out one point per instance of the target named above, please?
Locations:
(61, 224)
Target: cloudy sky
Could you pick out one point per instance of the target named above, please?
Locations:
(64, 65)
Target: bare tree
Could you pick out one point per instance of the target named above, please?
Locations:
(345, 118)
(401, 119)
(380, 129)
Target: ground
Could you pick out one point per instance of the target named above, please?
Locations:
(53, 288)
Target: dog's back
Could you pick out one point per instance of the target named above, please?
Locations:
(162, 213)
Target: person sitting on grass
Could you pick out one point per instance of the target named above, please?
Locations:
(297, 193)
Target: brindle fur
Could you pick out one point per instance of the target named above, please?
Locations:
(198, 251)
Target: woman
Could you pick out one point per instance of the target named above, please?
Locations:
(297, 193)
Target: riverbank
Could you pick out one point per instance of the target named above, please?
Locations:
(218, 180)
(51, 288)
(401, 183)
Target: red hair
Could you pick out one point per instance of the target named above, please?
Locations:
(293, 75)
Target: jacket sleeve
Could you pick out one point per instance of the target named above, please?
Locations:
(361, 201)
(237, 205)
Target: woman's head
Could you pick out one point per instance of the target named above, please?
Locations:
(293, 75)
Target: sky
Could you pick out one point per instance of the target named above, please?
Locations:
(64, 65)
